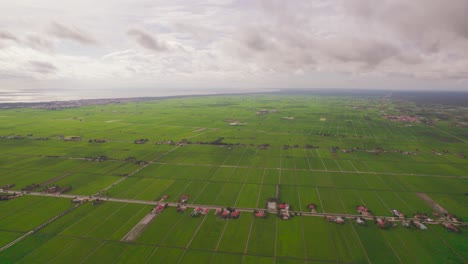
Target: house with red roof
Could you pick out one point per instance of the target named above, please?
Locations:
(260, 214)
(312, 207)
(235, 214)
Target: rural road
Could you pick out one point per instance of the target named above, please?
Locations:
(247, 210)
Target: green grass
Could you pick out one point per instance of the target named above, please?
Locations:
(240, 175)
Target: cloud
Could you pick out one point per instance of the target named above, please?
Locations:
(263, 43)
(8, 36)
(75, 34)
(42, 67)
(425, 23)
(420, 38)
(39, 43)
(147, 41)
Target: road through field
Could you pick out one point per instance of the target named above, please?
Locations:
(214, 207)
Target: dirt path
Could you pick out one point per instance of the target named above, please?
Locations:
(199, 130)
(138, 229)
(135, 171)
(55, 179)
(435, 206)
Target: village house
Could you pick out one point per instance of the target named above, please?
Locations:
(283, 211)
(362, 210)
(360, 221)
(184, 199)
(312, 207)
(398, 213)
(260, 214)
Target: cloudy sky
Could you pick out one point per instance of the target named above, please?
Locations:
(227, 45)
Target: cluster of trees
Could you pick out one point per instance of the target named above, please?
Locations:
(100, 158)
(141, 141)
(96, 140)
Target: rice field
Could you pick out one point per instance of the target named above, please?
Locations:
(337, 152)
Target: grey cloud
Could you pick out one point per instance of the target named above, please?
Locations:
(42, 67)
(39, 43)
(413, 20)
(273, 49)
(75, 34)
(370, 52)
(256, 41)
(147, 41)
(8, 36)
(196, 31)
(358, 36)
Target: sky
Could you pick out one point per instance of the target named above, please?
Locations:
(124, 47)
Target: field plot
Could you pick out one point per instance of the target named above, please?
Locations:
(84, 230)
(332, 153)
(27, 212)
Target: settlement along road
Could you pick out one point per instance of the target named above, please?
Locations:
(248, 210)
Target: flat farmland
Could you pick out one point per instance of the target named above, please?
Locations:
(238, 151)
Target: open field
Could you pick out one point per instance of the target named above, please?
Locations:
(337, 152)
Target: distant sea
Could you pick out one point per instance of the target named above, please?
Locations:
(33, 96)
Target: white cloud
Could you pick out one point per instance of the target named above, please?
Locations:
(264, 43)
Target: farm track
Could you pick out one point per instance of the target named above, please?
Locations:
(154, 161)
(38, 228)
(135, 171)
(138, 229)
(213, 207)
(434, 205)
(55, 179)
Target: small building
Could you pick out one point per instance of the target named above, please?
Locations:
(398, 213)
(420, 216)
(159, 208)
(380, 222)
(181, 208)
(79, 199)
(196, 212)
(235, 214)
(284, 211)
(225, 214)
(312, 207)
(360, 221)
(184, 199)
(336, 219)
(451, 227)
(420, 225)
(363, 210)
(271, 206)
(340, 220)
(260, 214)
(285, 215)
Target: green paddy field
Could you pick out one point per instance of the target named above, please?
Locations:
(334, 151)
